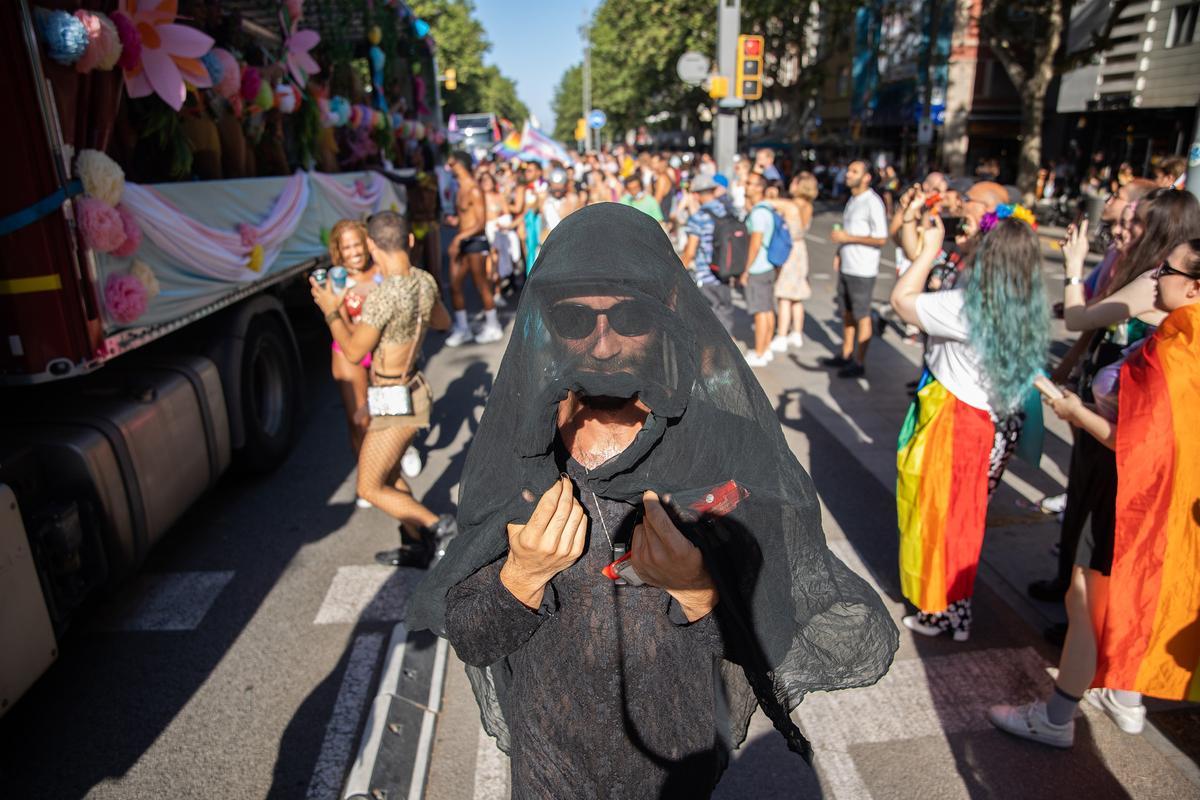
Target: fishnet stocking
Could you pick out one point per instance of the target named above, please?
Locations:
(381, 449)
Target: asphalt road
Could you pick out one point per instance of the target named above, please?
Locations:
(242, 660)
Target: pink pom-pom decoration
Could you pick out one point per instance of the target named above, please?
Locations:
(124, 297)
(251, 83)
(100, 224)
(131, 41)
(91, 24)
(231, 73)
(133, 234)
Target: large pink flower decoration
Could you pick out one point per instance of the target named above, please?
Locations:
(295, 52)
(170, 53)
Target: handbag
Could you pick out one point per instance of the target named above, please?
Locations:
(389, 401)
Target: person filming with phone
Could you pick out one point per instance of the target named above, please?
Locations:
(392, 326)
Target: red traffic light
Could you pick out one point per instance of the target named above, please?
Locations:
(752, 46)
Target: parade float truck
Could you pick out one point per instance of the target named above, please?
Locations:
(146, 347)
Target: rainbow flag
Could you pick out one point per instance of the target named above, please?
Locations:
(1150, 639)
(941, 496)
(509, 146)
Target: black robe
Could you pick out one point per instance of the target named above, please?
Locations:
(606, 691)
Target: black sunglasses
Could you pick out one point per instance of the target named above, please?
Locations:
(576, 321)
(1165, 269)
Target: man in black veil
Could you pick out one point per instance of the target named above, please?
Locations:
(624, 422)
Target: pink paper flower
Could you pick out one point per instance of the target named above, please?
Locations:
(249, 235)
(170, 53)
(124, 297)
(296, 46)
(100, 225)
(133, 234)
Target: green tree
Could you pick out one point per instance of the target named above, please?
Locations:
(461, 44)
(1028, 38)
(567, 103)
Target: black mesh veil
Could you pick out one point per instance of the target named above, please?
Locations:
(793, 618)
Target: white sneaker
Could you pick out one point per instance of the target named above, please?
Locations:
(489, 334)
(1130, 720)
(1030, 722)
(410, 462)
(779, 344)
(916, 626)
(755, 360)
(796, 339)
(499, 301)
(459, 336)
(362, 502)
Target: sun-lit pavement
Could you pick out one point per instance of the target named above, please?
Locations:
(243, 660)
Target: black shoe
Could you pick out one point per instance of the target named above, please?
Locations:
(406, 555)
(834, 361)
(1051, 591)
(1056, 634)
(852, 370)
(440, 534)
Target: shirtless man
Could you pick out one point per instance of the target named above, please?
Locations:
(467, 252)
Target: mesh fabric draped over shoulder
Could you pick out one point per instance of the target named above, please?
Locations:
(793, 618)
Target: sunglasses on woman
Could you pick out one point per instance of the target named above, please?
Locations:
(576, 321)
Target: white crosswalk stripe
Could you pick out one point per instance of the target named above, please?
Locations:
(367, 593)
(164, 601)
(348, 709)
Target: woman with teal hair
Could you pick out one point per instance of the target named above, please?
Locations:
(987, 342)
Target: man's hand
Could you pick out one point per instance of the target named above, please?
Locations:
(550, 542)
(324, 296)
(744, 279)
(663, 557)
(839, 236)
(452, 220)
(916, 205)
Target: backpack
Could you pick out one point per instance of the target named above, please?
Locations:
(780, 246)
(730, 246)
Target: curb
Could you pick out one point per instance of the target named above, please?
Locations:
(393, 755)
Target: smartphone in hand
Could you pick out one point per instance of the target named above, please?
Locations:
(1047, 388)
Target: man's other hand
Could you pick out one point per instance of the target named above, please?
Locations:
(550, 542)
(663, 557)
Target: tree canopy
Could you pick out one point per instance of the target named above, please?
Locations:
(462, 44)
(567, 104)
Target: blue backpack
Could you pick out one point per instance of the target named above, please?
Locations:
(780, 246)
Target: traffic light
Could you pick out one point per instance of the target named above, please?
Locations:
(581, 130)
(451, 79)
(718, 87)
(749, 67)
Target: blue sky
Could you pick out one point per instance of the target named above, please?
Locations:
(533, 42)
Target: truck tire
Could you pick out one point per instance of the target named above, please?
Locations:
(269, 388)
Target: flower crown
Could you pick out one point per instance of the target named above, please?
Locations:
(1004, 211)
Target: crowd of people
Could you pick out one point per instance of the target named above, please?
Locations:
(970, 288)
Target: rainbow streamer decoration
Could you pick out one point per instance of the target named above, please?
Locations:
(1150, 640)
(941, 496)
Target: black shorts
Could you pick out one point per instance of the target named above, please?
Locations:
(854, 294)
(474, 244)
